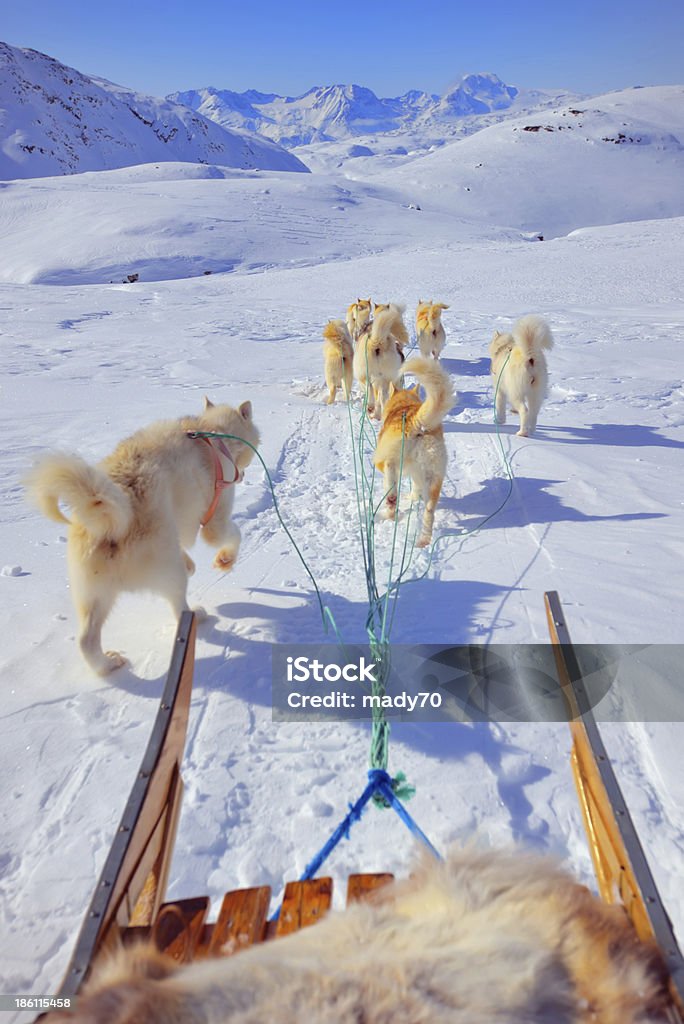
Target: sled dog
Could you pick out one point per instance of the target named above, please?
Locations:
(358, 316)
(519, 369)
(378, 359)
(135, 514)
(481, 937)
(338, 357)
(399, 332)
(411, 436)
(429, 330)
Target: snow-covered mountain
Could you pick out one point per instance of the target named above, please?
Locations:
(55, 120)
(333, 112)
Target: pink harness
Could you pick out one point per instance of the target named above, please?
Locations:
(219, 482)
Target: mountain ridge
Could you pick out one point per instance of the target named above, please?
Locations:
(56, 120)
(329, 113)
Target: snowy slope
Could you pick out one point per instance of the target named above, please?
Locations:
(595, 511)
(609, 159)
(54, 120)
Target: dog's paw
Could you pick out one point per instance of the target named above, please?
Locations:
(189, 564)
(112, 661)
(522, 433)
(225, 559)
(424, 540)
(200, 613)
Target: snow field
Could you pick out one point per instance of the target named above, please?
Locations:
(595, 512)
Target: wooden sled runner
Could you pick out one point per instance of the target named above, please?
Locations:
(129, 898)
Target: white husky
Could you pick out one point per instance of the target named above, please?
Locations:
(519, 373)
(135, 513)
(378, 357)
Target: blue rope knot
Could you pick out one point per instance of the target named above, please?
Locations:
(381, 784)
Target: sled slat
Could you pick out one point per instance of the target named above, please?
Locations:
(242, 920)
(362, 887)
(304, 904)
(179, 926)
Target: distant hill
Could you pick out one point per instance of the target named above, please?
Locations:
(605, 160)
(54, 120)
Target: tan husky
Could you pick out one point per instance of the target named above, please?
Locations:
(378, 359)
(359, 315)
(411, 437)
(134, 515)
(519, 374)
(338, 356)
(429, 329)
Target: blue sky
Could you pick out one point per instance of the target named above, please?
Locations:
(389, 46)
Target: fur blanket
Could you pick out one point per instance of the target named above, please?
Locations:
(483, 938)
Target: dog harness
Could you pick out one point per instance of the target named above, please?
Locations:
(219, 481)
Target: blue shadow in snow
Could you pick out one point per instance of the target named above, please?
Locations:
(466, 367)
(531, 502)
(617, 435)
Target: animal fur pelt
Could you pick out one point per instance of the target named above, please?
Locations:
(483, 938)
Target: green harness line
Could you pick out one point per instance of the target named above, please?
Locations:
(380, 619)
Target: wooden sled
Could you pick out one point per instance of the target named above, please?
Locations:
(621, 868)
(129, 898)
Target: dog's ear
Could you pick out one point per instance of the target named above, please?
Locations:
(497, 334)
(245, 410)
(442, 305)
(208, 404)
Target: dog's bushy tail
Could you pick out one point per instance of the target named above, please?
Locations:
(389, 324)
(440, 396)
(99, 504)
(532, 335)
(336, 332)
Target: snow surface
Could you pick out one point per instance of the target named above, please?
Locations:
(596, 508)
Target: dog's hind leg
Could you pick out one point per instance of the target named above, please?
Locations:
(172, 583)
(500, 404)
(348, 379)
(528, 419)
(434, 489)
(92, 614)
(391, 479)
